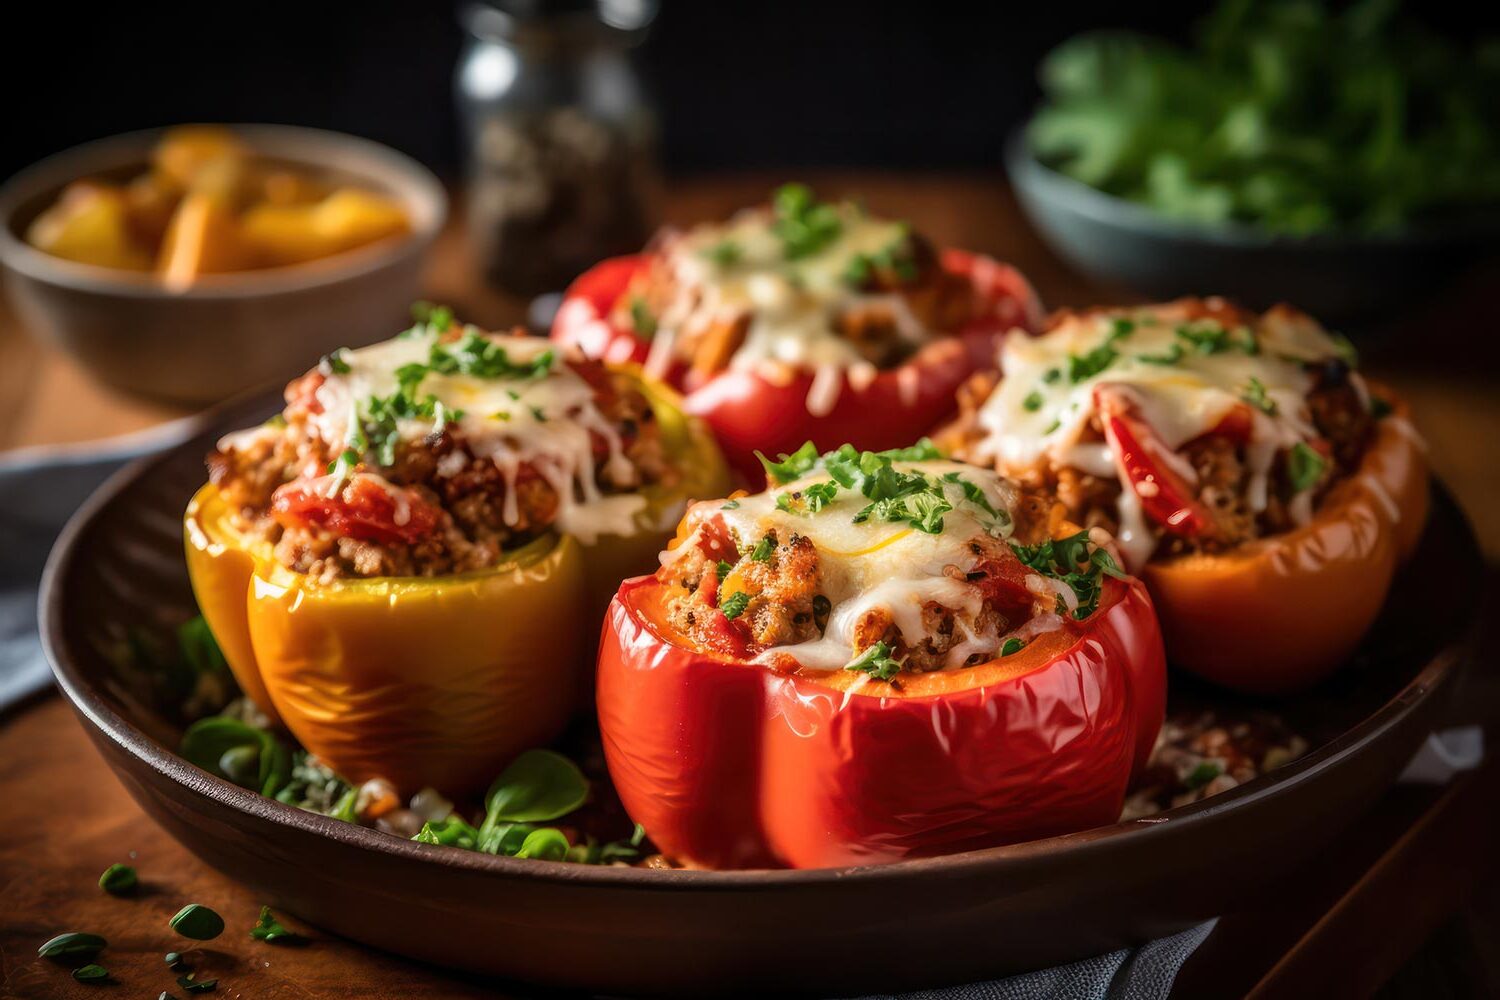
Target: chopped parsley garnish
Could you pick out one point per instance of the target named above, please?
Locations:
(1082, 367)
(1214, 338)
(723, 253)
(1304, 467)
(1052, 426)
(1076, 562)
(1201, 775)
(270, 930)
(763, 549)
(1120, 328)
(895, 258)
(804, 225)
(876, 661)
(1011, 647)
(118, 879)
(73, 945)
(791, 466)
(1255, 395)
(1170, 356)
(435, 317)
(641, 320)
(197, 922)
(808, 500)
(734, 605)
(723, 569)
(1053, 374)
(1032, 402)
(91, 973)
(334, 364)
(477, 355)
(731, 505)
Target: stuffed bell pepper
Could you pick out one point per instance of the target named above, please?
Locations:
(403, 565)
(883, 655)
(1263, 490)
(801, 320)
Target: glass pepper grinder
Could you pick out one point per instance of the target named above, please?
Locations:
(561, 137)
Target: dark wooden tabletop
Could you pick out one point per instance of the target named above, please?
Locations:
(1383, 901)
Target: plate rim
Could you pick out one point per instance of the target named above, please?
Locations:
(1436, 672)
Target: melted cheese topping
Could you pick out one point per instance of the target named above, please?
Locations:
(792, 304)
(543, 422)
(1039, 412)
(880, 564)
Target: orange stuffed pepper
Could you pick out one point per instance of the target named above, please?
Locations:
(403, 565)
(1258, 484)
(881, 656)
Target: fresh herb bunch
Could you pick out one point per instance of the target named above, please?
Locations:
(1295, 115)
(804, 225)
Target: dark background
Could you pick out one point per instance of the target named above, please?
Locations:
(747, 85)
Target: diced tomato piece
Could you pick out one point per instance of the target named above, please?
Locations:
(1165, 496)
(715, 541)
(728, 638)
(1002, 581)
(363, 509)
(302, 393)
(1236, 425)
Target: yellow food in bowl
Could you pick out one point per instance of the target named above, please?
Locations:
(209, 204)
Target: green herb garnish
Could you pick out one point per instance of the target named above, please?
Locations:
(1032, 402)
(118, 879)
(73, 945)
(270, 930)
(724, 569)
(724, 253)
(334, 363)
(1201, 775)
(1074, 561)
(198, 922)
(641, 319)
(1304, 467)
(789, 467)
(763, 549)
(1011, 646)
(91, 973)
(230, 749)
(876, 661)
(1082, 367)
(1171, 356)
(734, 605)
(804, 225)
(1255, 395)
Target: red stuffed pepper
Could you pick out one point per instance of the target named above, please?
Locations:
(1261, 488)
(884, 655)
(802, 320)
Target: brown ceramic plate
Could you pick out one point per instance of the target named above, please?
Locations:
(901, 926)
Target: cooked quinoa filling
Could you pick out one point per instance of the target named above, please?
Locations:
(436, 452)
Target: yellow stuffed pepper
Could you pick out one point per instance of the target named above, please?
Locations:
(408, 565)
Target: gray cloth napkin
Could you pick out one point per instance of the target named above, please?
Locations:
(41, 488)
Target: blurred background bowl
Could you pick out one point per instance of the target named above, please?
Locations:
(228, 331)
(1339, 278)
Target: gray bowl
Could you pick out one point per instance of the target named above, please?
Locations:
(230, 331)
(1336, 277)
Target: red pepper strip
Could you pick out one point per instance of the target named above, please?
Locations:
(730, 764)
(1165, 496)
(363, 509)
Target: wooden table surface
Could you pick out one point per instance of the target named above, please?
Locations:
(65, 818)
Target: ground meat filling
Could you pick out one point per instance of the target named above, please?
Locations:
(934, 298)
(453, 504)
(1339, 413)
(783, 576)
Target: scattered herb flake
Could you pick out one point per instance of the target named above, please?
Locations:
(270, 930)
(763, 549)
(1304, 467)
(118, 879)
(92, 974)
(876, 661)
(734, 605)
(1255, 395)
(198, 922)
